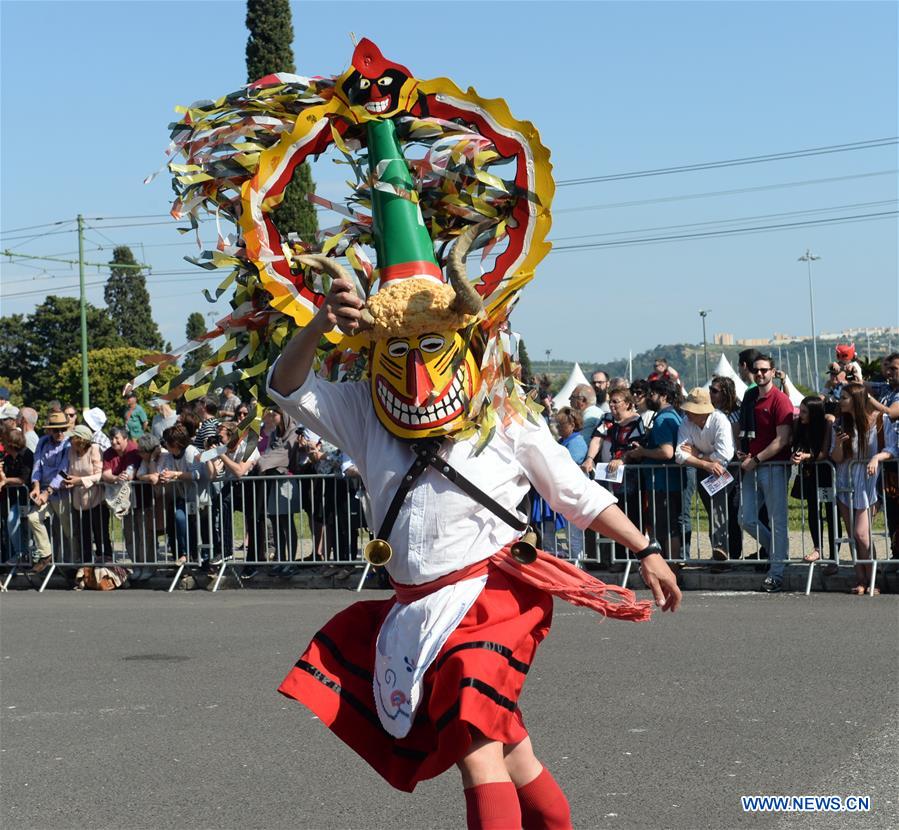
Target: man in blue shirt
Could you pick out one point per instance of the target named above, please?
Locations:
(51, 464)
(666, 477)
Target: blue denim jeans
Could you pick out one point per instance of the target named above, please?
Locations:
(13, 531)
(767, 485)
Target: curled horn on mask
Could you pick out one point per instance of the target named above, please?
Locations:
(467, 301)
(335, 270)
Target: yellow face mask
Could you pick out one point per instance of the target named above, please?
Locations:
(421, 384)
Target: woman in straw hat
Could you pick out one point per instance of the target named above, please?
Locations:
(705, 442)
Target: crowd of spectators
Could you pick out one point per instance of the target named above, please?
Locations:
(176, 481)
(654, 446)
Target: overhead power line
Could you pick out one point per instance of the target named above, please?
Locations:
(727, 232)
(737, 162)
(711, 193)
(855, 206)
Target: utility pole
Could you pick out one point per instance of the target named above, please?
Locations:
(703, 312)
(80, 262)
(808, 258)
(85, 389)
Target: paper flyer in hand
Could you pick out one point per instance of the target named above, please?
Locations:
(602, 473)
(713, 484)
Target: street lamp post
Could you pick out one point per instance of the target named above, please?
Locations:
(703, 312)
(808, 258)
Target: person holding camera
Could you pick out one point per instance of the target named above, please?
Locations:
(226, 469)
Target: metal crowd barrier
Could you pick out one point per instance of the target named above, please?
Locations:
(287, 523)
(733, 523)
(870, 507)
(280, 523)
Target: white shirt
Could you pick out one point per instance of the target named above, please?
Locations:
(714, 441)
(439, 528)
(31, 439)
(592, 416)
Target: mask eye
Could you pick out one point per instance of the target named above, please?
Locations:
(397, 348)
(431, 343)
(385, 81)
(364, 83)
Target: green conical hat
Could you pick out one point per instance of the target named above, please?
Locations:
(402, 241)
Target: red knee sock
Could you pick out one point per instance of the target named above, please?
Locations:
(543, 804)
(493, 807)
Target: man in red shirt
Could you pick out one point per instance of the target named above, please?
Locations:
(766, 483)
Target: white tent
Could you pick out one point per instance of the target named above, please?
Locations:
(725, 370)
(793, 393)
(563, 396)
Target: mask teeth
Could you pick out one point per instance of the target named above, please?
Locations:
(421, 415)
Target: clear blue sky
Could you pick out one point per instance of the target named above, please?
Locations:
(88, 90)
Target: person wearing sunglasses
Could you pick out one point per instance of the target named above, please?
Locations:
(766, 483)
(71, 416)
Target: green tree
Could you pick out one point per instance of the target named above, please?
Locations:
(109, 369)
(48, 337)
(524, 359)
(128, 302)
(269, 46)
(15, 390)
(14, 354)
(270, 50)
(195, 328)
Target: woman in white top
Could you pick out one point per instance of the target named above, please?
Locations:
(90, 516)
(862, 438)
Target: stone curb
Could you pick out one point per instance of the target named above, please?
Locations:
(691, 578)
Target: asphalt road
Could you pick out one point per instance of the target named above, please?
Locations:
(140, 709)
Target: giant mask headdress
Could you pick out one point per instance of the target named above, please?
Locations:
(438, 173)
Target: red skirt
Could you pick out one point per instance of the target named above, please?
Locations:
(475, 681)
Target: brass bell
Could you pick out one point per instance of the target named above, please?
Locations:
(378, 552)
(524, 551)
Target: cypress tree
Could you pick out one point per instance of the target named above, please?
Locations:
(195, 327)
(270, 50)
(128, 302)
(524, 359)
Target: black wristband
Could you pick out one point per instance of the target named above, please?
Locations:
(651, 548)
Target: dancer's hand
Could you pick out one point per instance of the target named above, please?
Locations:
(660, 579)
(343, 308)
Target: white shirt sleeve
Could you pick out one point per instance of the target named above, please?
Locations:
(683, 437)
(723, 450)
(557, 478)
(333, 410)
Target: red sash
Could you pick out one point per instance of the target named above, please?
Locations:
(547, 573)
